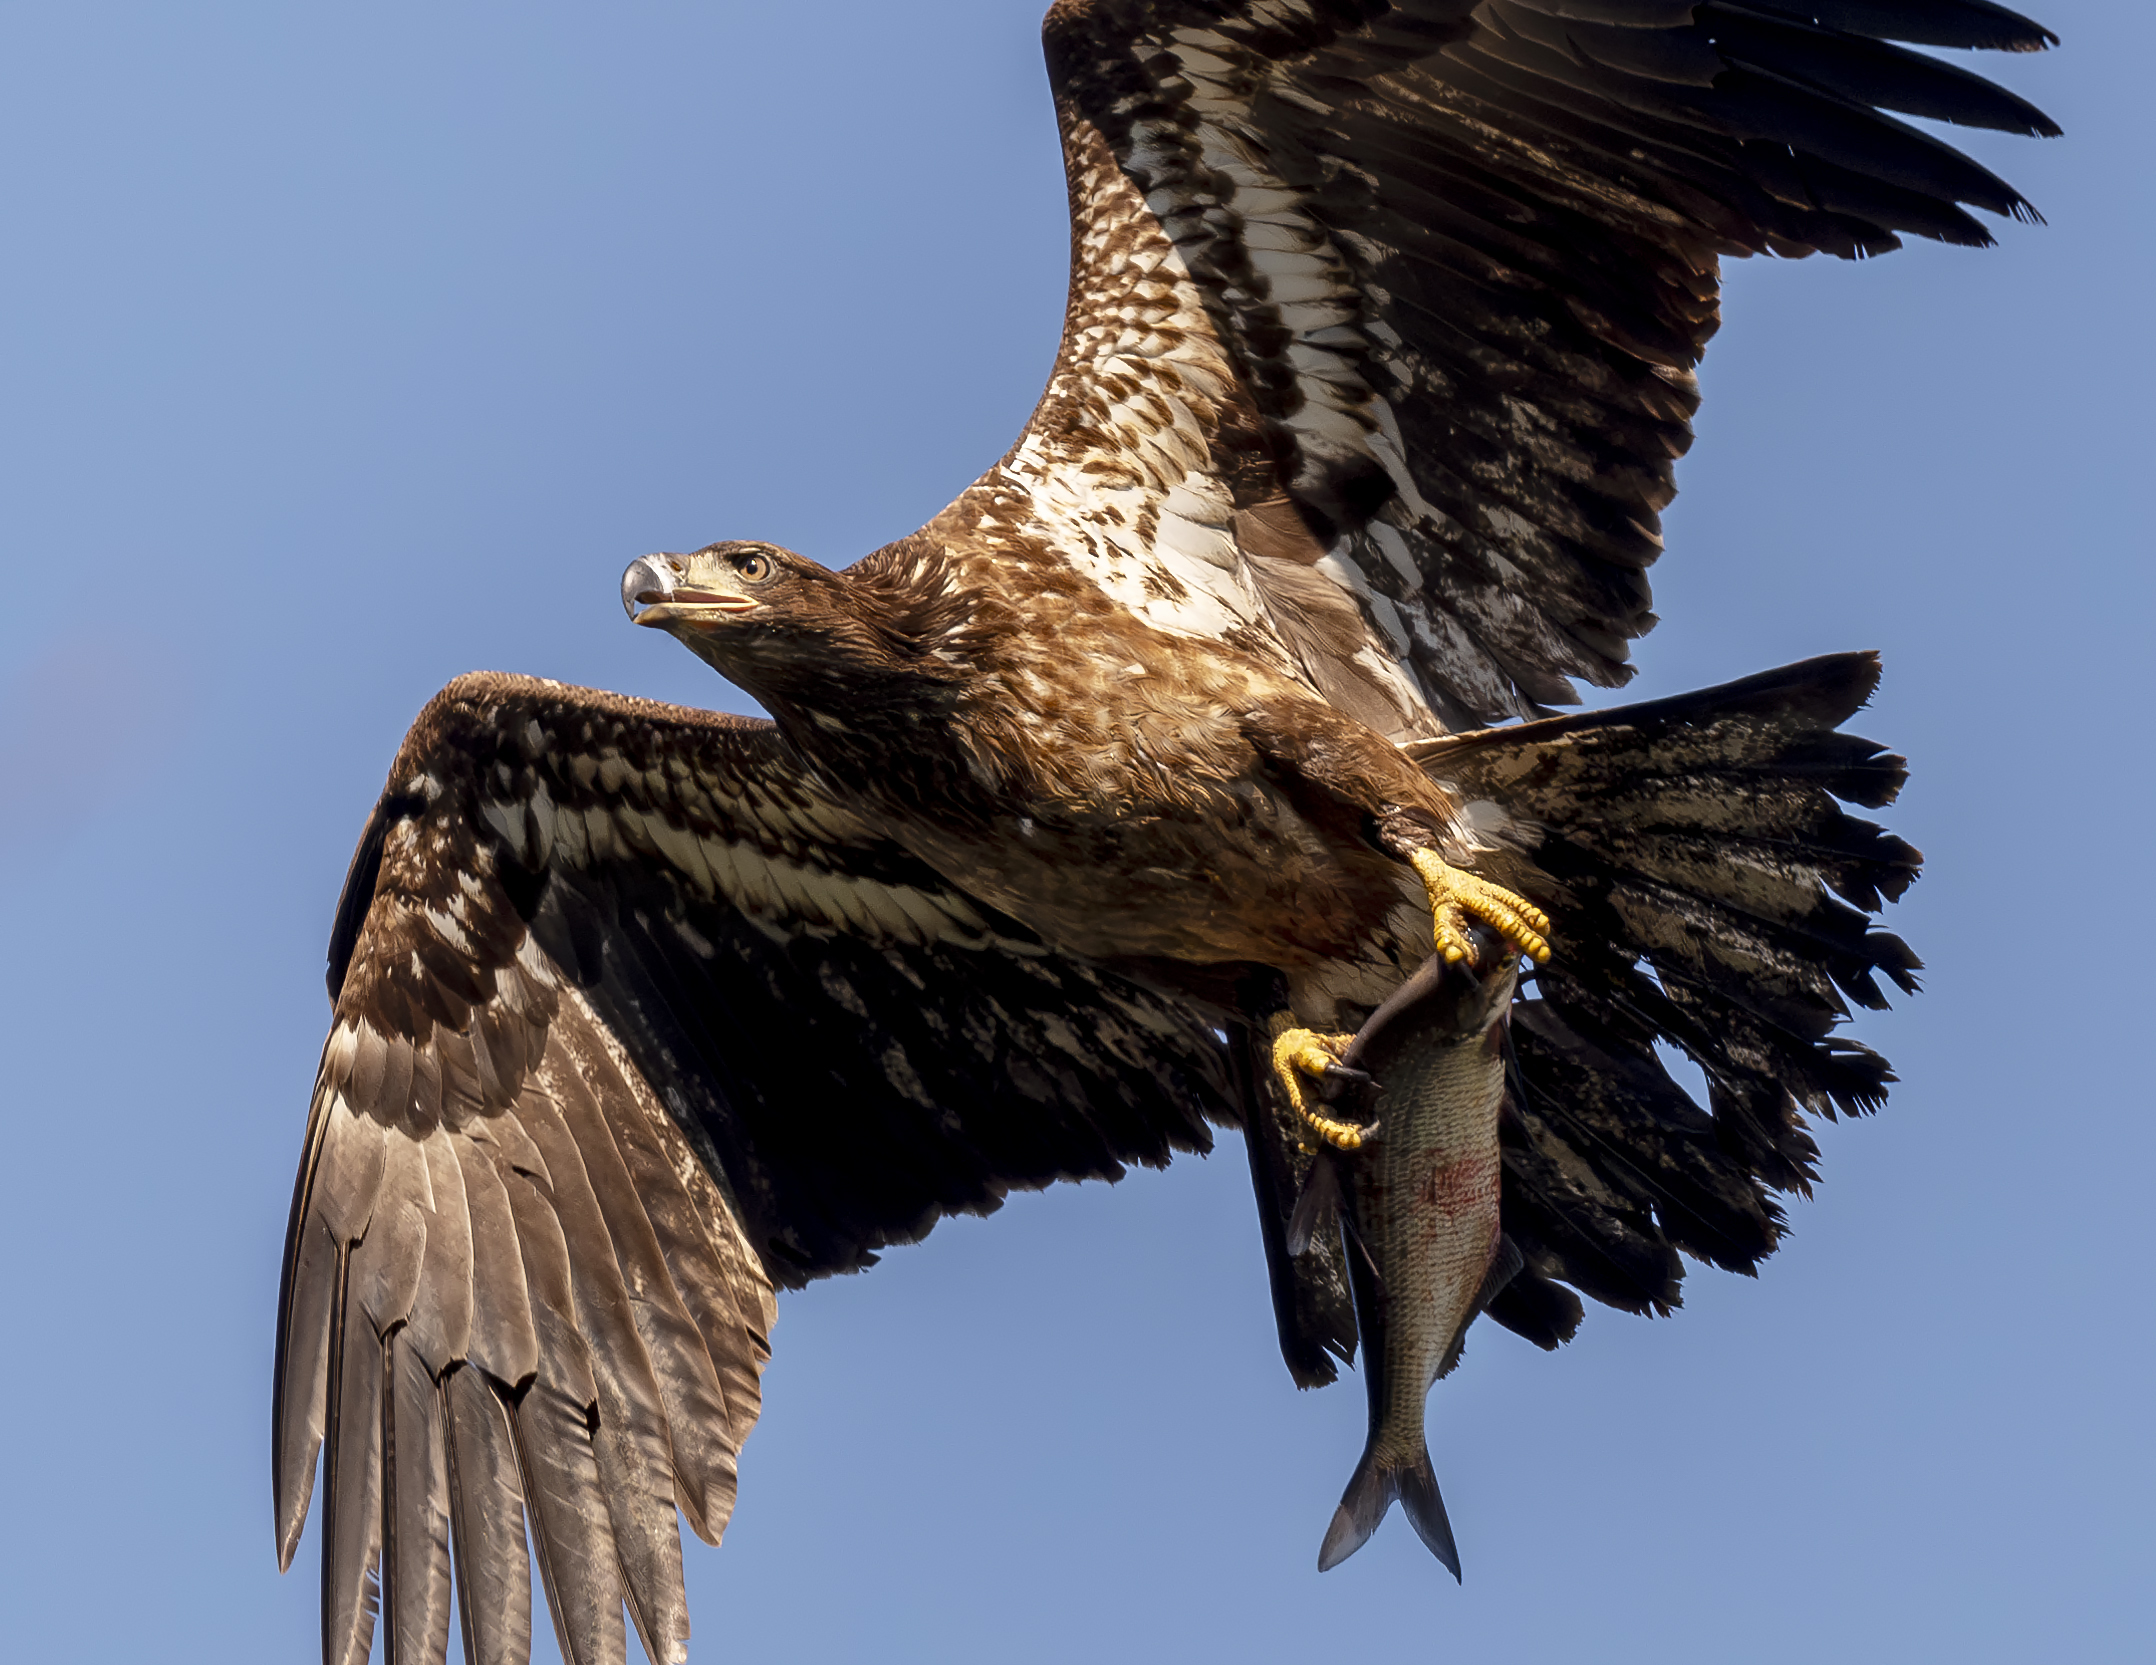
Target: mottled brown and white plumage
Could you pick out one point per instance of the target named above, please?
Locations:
(1377, 358)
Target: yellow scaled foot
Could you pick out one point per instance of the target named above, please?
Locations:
(1300, 1053)
(1457, 896)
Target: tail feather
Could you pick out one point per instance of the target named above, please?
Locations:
(1710, 892)
(1371, 1491)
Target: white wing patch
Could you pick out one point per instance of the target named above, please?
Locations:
(1140, 506)
(1120, 465)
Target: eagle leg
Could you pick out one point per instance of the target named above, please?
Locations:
(1456, 896)
(1299, 1053)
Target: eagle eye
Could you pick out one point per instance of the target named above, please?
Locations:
(754, 568)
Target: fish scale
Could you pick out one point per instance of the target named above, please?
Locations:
(1420, 1205)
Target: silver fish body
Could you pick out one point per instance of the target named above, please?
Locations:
(1425, 1248)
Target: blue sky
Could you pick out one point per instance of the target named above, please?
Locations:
(348, 348)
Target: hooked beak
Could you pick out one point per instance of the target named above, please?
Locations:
(659, 590)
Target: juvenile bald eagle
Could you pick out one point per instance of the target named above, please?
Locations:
(1087, 810)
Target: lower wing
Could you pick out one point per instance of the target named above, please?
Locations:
(633, 1025)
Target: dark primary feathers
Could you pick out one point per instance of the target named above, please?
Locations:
(1376, 364)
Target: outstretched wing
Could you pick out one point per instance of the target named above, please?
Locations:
(1383, 318)
(632, 1024)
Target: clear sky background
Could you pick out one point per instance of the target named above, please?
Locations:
(348, 347)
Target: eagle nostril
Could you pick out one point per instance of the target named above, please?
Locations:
(647, 580)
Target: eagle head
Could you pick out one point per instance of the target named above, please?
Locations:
(785, 628)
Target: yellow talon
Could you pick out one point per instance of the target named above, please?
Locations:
(1299, 1052)
(1457, 896)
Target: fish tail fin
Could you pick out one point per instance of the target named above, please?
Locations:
(1424, 1506)
(1371, 1490)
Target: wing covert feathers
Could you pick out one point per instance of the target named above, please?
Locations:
(1382, 320)
(1707, 891)
(632, 1026)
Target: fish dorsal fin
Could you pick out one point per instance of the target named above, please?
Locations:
(1505, 1265)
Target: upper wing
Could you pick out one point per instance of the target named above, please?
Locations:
(632, 1024)
(1382, 319)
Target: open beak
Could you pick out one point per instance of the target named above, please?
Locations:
(660, 590)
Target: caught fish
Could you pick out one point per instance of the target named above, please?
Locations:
(1419, 1204)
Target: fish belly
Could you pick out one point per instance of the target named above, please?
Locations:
(1422, 1199)
(1427, 1195)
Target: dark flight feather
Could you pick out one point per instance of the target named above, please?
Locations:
(352, 1483)
(1698, 905)
(415, 1510)
(1313, 1301)
(486, 1498)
